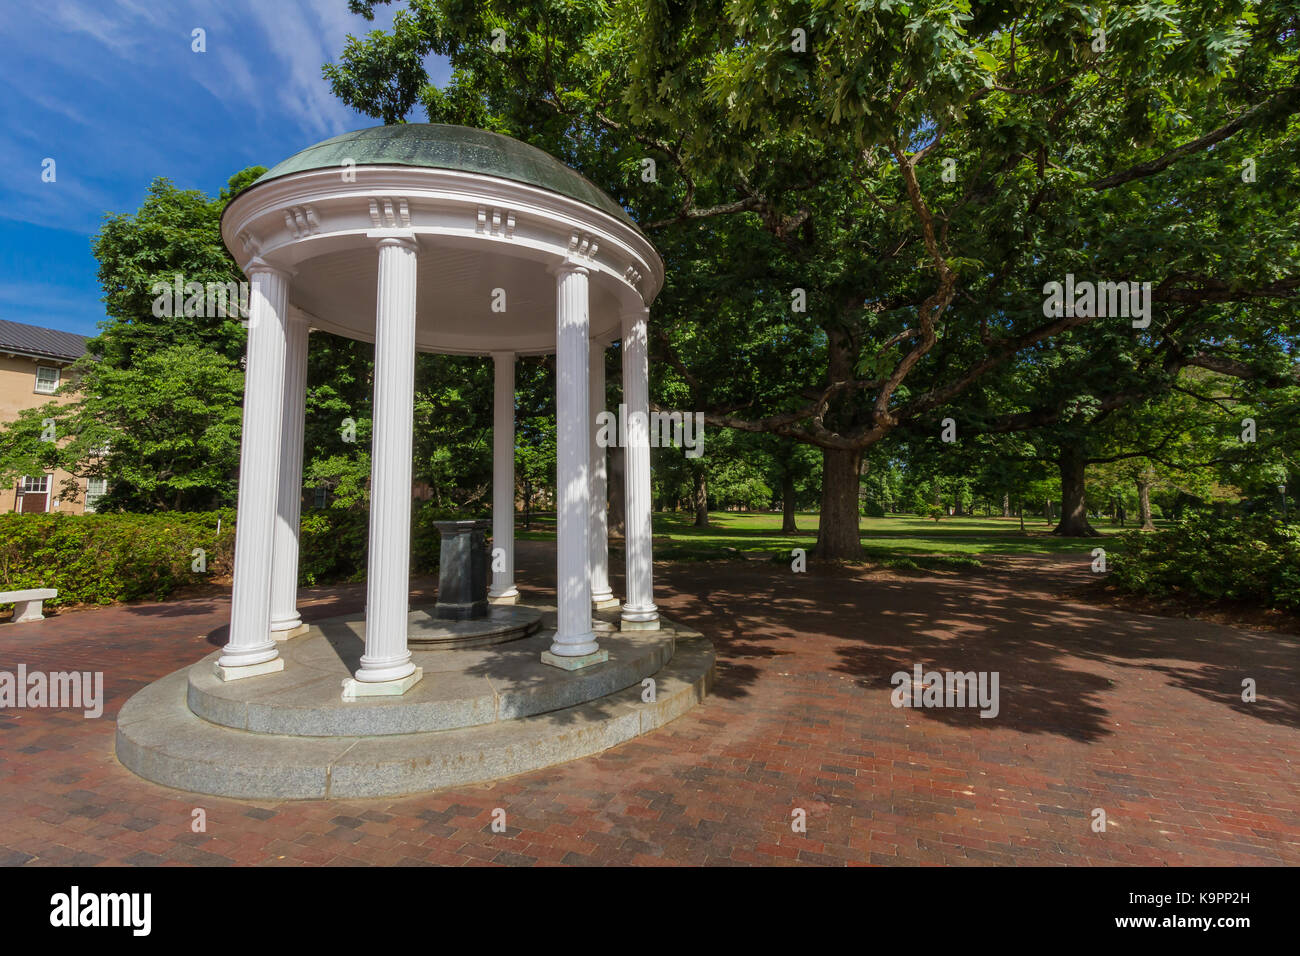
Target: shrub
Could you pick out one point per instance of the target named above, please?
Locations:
(100, 559)
(332, 545)
(105, 558)
(873, 509)
(1253, 558)
(936, 513)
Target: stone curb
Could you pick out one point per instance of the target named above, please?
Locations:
(160, 739)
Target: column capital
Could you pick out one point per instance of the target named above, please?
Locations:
(259, 266)
(630, 316)
(567, 266)
(403, 238)
(503, 356)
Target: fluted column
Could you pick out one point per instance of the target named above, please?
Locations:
(601, 594)
(386, 667)
(503, 590)
(575, 644)
(285, 621)
(639, 611)
(250, 649)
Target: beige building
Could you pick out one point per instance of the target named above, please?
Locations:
(33, 364)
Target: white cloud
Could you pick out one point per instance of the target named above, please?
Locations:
(114, 32)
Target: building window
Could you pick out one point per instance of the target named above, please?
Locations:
(96, 488)
(47, 379)
(321, 498)
(36, 486)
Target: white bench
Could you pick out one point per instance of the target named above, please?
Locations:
(27, 604)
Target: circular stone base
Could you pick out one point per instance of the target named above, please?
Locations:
(503, 623)
(460, 688)
(499, 711)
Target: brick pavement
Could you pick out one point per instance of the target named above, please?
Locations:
(1137, 715)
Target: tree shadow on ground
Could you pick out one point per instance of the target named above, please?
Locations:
(1000, 618)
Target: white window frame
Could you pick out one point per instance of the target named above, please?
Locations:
(93, 496)
(45, 487)
(38, 389)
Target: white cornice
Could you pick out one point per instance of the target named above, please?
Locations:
(272, 219)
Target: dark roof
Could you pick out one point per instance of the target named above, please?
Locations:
(41, 343)
(443, 146)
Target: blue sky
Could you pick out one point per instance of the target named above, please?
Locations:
(111, 90)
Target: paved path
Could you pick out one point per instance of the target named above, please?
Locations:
(1138, 716)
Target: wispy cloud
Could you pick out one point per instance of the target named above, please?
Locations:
(112, 90)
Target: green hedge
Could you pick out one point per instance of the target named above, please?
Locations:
(105, 558)
(100, 559)
(1254, 558)
(333, 544)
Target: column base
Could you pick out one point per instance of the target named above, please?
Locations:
(353, 688)
(575, 663)
(605, 603)
(639, 618)
(248, 670)
(511, 597)
(289, 633)
(639, 625)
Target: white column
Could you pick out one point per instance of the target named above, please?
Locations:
(639, 612)
(575, 642)
(285, 620)
(386, 667)
(503, 590)
(601, 594)
(251, 650)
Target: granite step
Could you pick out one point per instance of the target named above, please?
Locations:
(162, 740)
(460, 688)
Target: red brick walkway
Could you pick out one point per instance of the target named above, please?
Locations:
(1139, 716)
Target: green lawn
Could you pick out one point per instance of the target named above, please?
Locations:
(902, 541)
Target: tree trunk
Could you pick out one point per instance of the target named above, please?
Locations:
(1074, 503)
(701, 498)
(1020, 508)
(787, 505)
(1047, 510)
(1144, 506)
(1006, 505)
(837, 530)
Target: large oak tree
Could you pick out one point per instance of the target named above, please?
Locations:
(920, 170)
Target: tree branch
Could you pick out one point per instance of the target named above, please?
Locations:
(1288, 99)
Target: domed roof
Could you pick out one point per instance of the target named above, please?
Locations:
(442, 146)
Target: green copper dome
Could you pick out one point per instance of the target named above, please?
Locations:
(441, 146)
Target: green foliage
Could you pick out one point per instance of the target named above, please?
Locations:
(1254, 558)
(175, 232)
(164, 430)
(100, 559)
(105, 558)
(334, 543)
(920, 169)
(332, 546)
(873, 509)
